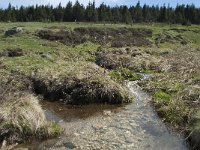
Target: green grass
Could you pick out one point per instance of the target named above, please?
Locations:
(124, 74)
(161, 98)
(70, 61)
(161, 95)
(173, 110)
(196, 78)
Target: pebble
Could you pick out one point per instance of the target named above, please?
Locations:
(107, 112)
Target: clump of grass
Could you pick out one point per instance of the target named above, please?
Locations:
(124, 74)
(22, 118)
(161, 97)
(170, 108)
(162, 82)
(175, 112)
(90, 84)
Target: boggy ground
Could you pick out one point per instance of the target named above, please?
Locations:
(87, 63)
(119, 37)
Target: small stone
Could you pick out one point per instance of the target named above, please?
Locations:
(82, 132)
(107, 112)
(47, 56)
(76, 134)
(60, 121)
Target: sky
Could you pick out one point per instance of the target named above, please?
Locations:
(4, 3)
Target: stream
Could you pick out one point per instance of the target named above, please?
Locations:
(134, 126)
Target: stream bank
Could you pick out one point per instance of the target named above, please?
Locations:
(133, 126)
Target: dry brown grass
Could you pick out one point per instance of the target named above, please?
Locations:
(21, 116)
(117, 37)
(136, 59)
(180, 80)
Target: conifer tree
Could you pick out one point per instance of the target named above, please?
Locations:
(68, 12)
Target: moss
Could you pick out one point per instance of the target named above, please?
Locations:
(54, 128)
(161, 98)
(161, 95)
(124, 74)
(148, 71)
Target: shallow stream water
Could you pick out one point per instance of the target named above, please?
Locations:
(134, 126)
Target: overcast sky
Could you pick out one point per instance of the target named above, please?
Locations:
(4, 3)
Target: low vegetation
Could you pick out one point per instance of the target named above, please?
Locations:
(22, 117)
(122, 74)
(90, 84)
(176, 91)
(78, 66)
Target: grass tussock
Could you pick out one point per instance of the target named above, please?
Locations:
(61, 64)
(90, 84)
(22, 117)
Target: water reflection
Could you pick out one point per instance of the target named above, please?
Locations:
(57, 112)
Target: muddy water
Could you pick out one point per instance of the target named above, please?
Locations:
(135, 126)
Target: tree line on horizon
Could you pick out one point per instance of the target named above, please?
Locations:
(184, 14)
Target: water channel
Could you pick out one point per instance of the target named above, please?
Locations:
(135, 126)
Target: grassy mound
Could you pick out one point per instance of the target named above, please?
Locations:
(60, 58)
(22, 117)
(136, 59)
(91, 84)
